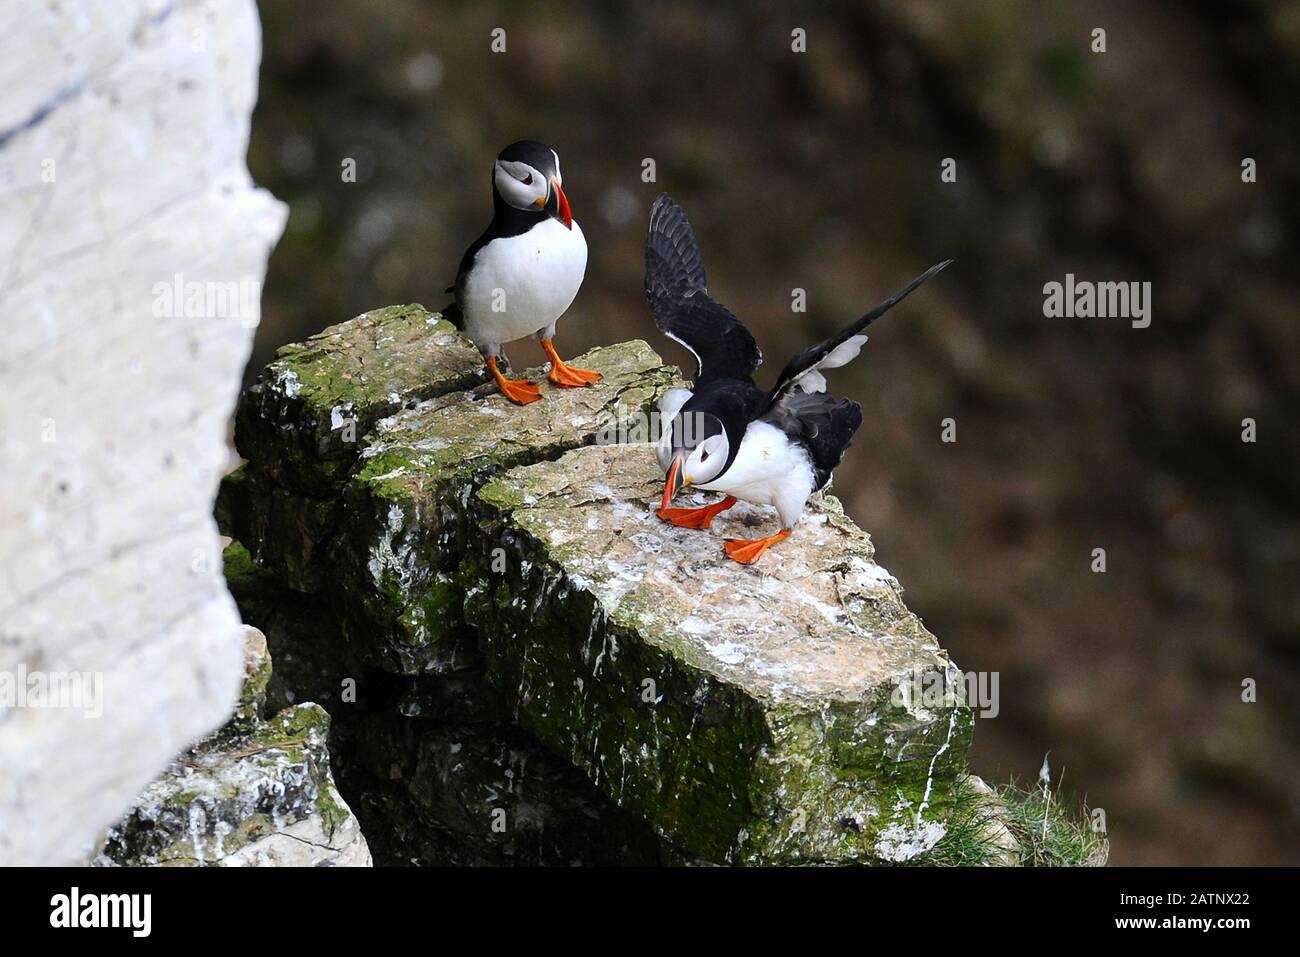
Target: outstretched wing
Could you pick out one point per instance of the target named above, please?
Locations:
(677, 290)
(805, 369)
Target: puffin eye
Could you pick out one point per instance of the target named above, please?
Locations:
(527, 180)
(704, 455)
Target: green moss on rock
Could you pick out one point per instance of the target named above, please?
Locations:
(287, 533)
(503, 569)
(257, 675)
(263, 797)
(756, 714)
(408, 502)
(301, 421)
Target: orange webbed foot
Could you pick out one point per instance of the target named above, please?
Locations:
(565, 375)
(697, 518)
(568, 377)
(518, 391)
(748, 552)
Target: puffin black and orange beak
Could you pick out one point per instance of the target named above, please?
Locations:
(673, 481)
(556, 204)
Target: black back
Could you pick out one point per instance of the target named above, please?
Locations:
(734, 402)
(823, 424)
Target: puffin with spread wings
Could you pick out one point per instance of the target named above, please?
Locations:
(768, 447)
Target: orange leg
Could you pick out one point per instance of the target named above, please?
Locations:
(566, 375)
(518, 391)
(747, 552)
(699, 518)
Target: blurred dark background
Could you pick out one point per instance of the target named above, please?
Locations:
(821, 170)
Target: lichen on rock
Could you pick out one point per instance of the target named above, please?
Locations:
(254, 793)
(404, 480)
(506, 597)
(750, 713)
(408, 502)
(301, 419)
(257, 676)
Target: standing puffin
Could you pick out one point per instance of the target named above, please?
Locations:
(727, 435)
(521, 275)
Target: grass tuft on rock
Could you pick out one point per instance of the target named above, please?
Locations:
(1017, 826)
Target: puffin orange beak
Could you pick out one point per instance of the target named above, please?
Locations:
(673, 481)
(557, 204)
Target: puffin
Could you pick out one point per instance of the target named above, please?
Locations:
(725, 434)
(522, 274)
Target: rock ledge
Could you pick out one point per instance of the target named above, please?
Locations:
(760, 714)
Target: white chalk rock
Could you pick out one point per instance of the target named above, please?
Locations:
(133, 245)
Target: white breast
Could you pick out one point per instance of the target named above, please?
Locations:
(522, 284)
(768, 470)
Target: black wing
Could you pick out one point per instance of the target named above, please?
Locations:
(506, 221)
(822, 424)
(451, 312)
(841, 348)
(678, 293)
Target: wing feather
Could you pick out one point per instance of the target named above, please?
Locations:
(677, 290)
(804, 371)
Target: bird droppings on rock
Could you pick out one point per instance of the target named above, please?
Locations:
(740, 713)
(254, 793)
(775, 683)
(291, 420)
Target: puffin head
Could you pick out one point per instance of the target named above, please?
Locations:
(526, 175)
(693, 451)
